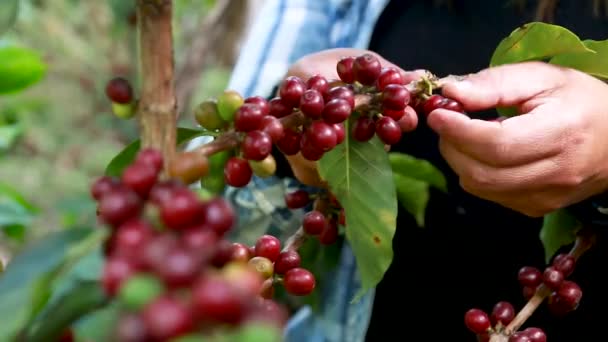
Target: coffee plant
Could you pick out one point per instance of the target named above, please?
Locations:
(163, 265)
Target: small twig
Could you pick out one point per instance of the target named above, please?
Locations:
(226, 141)
(296, 241)
(583, 243)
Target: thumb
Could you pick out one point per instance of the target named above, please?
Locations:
(505, 85)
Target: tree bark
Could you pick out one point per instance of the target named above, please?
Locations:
(157, 103)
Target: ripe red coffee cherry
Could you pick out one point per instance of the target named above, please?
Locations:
(119, 90)
(299, 282)
(393, 114)
(119, 205)
(222, 254)
(388, 130)
(309, 151)
(199, 238)
(131, 237)
(278, 107)
(570, 294)
(432, 103)
(312, 104)
(216, 299)
(237, 172)
(248, 118)
(363, 129)
(519, 337)
(260, 102)
(477, 321)
(535, 334)
(502, 312)
(140, 178)
(290, 142)
(218, 215)
(166, 318)
(565, 263)
(341, 92)
(340, 132)
(291, 90)
(103, 185)
(452, 105)
(150, 156)
(273, 127)
(314, 222)
(131, 328)
(163, 190)
(336, 111)
(553, 278)
(240, 253)
(297, 199)
(344, 67)
(321, 135)
(329, 235)
(366, 69)
(395, 97)
(179, 268)
(530, 276)
(268, 246)
(286, 261)
(257, 145)
(182, 210)
(115, 272)
(318, 83)
(388, 76)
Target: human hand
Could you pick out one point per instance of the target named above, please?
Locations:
(324, 63)
(553, 155)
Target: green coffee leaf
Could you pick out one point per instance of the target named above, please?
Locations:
(413, 196)
(536, 41)
(19, 68)
(592, 63)
(85, 297)
(128, 154)
(417, 169)
(359, 175)
(559, 229)
(21, 293)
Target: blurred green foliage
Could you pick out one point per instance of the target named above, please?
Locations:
(58, 135)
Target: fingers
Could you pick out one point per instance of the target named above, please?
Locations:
(505, 85)
(514, 141)
(501, 185)
(483, 179)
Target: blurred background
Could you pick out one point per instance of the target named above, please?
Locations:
(58, 134)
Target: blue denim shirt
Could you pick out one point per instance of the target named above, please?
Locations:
(284, 31)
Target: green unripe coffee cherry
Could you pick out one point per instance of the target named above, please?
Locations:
(227, 104)
(258, 332)
(123, 110)
(264, 168)
(207, 115)
(140, 290)
(263, 266)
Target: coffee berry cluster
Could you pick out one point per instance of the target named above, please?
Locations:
(171, 267)
(169, 262)
(307, 116)
(564, 296)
